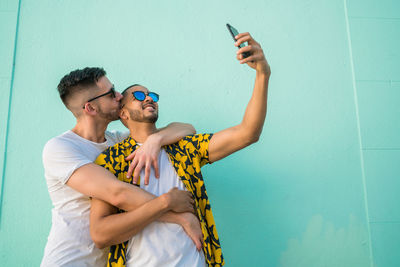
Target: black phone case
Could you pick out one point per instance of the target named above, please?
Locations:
(231, 29)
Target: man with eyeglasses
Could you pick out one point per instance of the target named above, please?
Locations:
(72, 177)
(135, 237)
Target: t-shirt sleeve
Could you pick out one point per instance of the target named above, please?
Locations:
(61, 159)
(117, 136)
(200, 143)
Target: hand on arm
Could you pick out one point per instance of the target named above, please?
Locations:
(108, 228)
(232, 139)
(147, 155)
(97, 182)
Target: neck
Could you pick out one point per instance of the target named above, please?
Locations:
(140, 131)
(90, 129)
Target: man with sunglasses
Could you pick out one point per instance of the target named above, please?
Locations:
(138, 240)
(72, 177)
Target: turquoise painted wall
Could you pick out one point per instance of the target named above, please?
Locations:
(318, 189)
(375, 39)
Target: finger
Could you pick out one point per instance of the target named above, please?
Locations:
(188, 195)
(250, 59)
(199, 243)
(196, 240)
(147, 173)
(242, 34)
(247, 48)
(131, 168)
(247, 39)
(156, 169)
(131, 156)
(191, 209)
(136, 174)
(189, 203)
(243, 39)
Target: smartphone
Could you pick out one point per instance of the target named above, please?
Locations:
(235, 32)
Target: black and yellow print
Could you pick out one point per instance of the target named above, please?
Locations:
(187, 156)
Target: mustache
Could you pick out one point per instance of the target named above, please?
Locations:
(149, 104)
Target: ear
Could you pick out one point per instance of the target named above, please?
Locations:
(123, 114)
(89, 109)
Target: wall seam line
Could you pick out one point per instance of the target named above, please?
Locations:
(381, 148)
(376, 18)
(8, 113)
(359, 131)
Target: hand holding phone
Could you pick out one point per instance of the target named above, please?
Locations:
(235, 32)
(251, 54)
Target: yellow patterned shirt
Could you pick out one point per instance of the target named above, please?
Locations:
(187, 156)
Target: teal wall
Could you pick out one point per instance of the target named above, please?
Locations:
(375, 42)
(318, 189)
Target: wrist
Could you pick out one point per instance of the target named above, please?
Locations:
(264, 71)
(180, 219)
(156, 139)
(165, 200)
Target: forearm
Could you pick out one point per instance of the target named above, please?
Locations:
(117, 228)
(249, 130)
(97, 182)
(131, 197)
(137, 198)
(173, 133)
(171, 217)
(254, 117)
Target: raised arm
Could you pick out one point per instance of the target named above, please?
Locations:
(232, 139)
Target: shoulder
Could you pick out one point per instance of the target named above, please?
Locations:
(61, 143)
(65, 151)
(196, 138)
(114, 151)
(116, 136)
(194, 142)
(117, 148)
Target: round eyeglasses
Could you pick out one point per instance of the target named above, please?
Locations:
(140, 95)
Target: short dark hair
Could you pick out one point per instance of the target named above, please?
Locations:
(77, 80)
(129, 87)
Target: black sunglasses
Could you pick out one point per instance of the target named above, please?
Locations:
(139, 95)
(111, 91)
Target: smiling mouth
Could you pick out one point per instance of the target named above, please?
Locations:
(149, 107)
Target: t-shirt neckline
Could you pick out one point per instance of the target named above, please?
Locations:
(88, 141)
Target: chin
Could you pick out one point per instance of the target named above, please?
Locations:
(152, 119)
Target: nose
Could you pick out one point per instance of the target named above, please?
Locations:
(118, 96)
(148, 99)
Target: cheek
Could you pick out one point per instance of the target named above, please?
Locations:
(134, 114)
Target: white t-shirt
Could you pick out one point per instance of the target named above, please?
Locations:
(163, 244)
(69, 242)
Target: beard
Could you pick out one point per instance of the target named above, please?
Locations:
(138, 116)
(111, 116)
